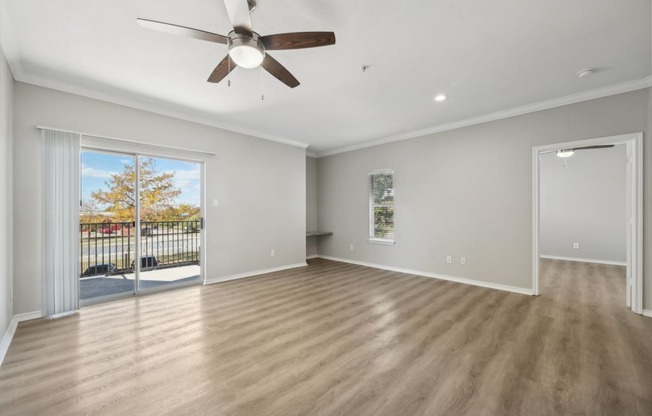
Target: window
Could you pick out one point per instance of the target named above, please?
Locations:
(381, 207)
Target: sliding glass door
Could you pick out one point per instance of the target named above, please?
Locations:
(140, 224)
(106, 225)
(170, 222)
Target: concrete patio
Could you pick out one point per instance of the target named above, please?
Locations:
(101, 286)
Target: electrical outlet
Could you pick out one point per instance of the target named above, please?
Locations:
(351, 247)
(449, 259)
(272, 253)
(576, 246)
(462, 260)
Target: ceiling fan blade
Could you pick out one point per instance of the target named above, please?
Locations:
(298, 40)
(599, 146)
(222, 69)
(272, 66)
(182, 31)
(238, 11)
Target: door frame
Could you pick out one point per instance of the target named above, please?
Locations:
(634, 143)
(202, 210)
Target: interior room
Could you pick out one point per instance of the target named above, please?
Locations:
(263, 207)
(584, 198)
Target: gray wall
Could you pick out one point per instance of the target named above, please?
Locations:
(6, 104)
(260, 185)
(311, 205)
(467, 192)
(583, 200)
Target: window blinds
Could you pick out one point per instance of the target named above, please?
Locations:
(381, 205)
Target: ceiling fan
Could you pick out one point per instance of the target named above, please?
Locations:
(247, 48)
(569, 152)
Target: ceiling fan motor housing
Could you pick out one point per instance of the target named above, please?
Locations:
(246, 50)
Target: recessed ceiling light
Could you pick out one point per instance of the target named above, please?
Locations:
(585, 73)
(440, 97)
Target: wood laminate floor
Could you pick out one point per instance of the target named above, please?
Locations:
(339, 339)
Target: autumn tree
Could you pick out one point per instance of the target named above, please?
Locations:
(182, 211)
(89, 213)
(157, 193)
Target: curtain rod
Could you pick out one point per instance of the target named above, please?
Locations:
(115, 139)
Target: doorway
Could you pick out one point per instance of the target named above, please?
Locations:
(141, 224)
(634, 210)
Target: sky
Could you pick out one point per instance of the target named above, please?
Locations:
(97, 168)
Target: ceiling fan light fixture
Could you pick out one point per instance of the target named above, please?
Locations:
(246, 52)
(246, 56)
(565, 152)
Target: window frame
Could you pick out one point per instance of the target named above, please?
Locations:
(372, 226)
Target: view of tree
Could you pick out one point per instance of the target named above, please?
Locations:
(89, 213)
(382, 192)
(157, 196)
(184, 212)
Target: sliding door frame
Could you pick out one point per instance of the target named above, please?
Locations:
(202, 212)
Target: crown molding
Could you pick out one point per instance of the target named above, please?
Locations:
(207, 121)
(516, 111)
(159, 109)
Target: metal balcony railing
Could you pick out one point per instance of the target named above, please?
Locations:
(110, 247)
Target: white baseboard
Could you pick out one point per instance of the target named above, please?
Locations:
(253, 273)
(28, 316)
(312, 256)
(609, 262)
(11, 330)
(472, 282)
(647, 312)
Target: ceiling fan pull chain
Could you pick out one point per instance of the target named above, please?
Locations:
(262, 86)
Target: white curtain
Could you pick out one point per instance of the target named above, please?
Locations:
(61, 222)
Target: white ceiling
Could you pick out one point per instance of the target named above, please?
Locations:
(487, 56)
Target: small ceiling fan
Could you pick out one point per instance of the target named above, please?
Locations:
(247, 48)
(569, 152)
